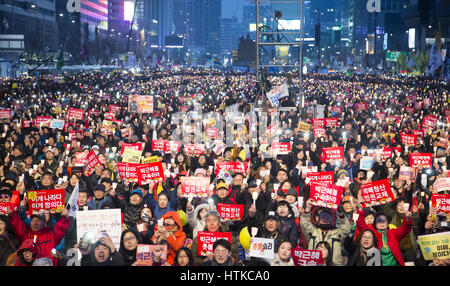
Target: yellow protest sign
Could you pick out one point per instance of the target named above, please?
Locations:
(303, 126)
(435, 245)
(131, 155)
(152, 159)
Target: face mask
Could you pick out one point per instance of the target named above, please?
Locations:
(442, 160)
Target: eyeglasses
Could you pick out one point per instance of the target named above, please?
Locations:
(129, 239)
(169, 225)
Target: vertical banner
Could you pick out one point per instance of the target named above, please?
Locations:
(92, 162)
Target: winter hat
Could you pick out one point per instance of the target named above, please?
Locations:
(100, 187)
(347, 199)
(136, 191)
(292, 192)
(271, 216)
(253, 184)
(221, 185)
(10, 176)
(200, 171)
(342, 171)
(326, 216)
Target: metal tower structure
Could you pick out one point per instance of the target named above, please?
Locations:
(271, 37)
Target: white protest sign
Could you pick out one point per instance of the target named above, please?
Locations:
(366, 163)
(262, 248)
(94, 221)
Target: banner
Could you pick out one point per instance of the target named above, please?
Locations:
(406, 173)
(40, 120)
(429, 121)
(26, 123)
(303, 126)
(94, 222)
(420, 159)
(376, 193)
(361, 106)
(5, 114)
(158, 145)
(48, 201)
(80, 159)
(146, 252)
(325, 177)
(442, 184)
(326, 195)
(435, 245)
(73, 134)
(172, 146)
(231, 211)
(140, 104)
(386, 154)
(366, 163)
(231, 167)
(57, 124)
(4, 208)
(408, 139)
(442, 203)
(325, 122)
(195, 149)
(92, 162)
(148, 172)
(281, 148)
(319, 131)
(206, 239)
(75, 113)
(109, 115)
(262, 248)
(152, 159)
(128, 171)
(333, 153)
(131, 155)
(135, 146)
(197, 186)
(305, 257)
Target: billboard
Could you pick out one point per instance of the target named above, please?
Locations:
(95, 12)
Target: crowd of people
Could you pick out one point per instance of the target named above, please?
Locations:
(35, 158)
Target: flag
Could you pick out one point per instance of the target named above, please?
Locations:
(72, 204)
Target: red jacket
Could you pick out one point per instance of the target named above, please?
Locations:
(394, 236)
(46, 240)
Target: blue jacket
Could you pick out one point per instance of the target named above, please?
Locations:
(157, 211)
(95, 204)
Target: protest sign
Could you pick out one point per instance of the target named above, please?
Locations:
(48, 201)
(74, 113)
(92, 162)
(429, 121)
(158, 145)
(212, 133)
(149, 172)
(5, 114)
(231, 211)
(109, 116)
(386, 153)
(325, 122)
(73, 134)
(435, 245)
(80, 159)
(4, 208)
(408, 139)
(57, 124)
(376, 193)
(305, 257)
(94, 222)
(366, 163)
(26, 123)
(231, 167)
(41, 120)
(361, 106)
(319, 131)
(140, 104)
(336, 109)
(406, 173)
(135, 146)
(333, 153)
(325, 195)
(128, 171)
(262, 248)
(206, 239)
(420, 159)
(281, 148)
(114, 108)
(219, 148)
(380, 116)
(131, 155)
(195, 149)
(307, 169)
(325, 177)
(172, 146)
(151, 159)
(442, 203)
(442, 184)
(145, 254)
(303, 126)
(197, 186)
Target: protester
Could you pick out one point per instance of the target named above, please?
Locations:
(222, 255)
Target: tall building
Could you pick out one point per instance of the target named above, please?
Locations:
(213, 14)
(231, 32)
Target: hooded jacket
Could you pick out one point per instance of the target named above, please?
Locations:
(177, 239)
(334, 237)
(394, 236)
(192, 219)
(47, 239)
(27, 245)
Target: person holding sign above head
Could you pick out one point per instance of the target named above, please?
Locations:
(222, 255)
(170, 230)
(102, 253)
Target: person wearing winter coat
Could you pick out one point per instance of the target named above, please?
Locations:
(325, 230)
(388, 240)
(221, 255)
(102, 253)
(8, 242)
(167, 202)
(99, 198)
(129, 241)
(359, 249)
(282, 256)
(221, 195)
(132, 211)
(287, 226)
(196, 217)
(171, 231)
(27, 253)
(46, 238)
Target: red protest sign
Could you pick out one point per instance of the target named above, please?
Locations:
(386, 154)
(305, 257)
(408, 139)
(5, 113)
(75, 113)
(325, 177)
(128, 171)
(406, 173)
(92, 162)
(158, 145)
(197, 186)
(418, 133)
(429, 121)
(146, 252)
(333, 153)
(361, 106)
(42, 120)
(109, 116)
(410, 110)
(73, 134)
(420, 159)
(212, 133)
(377, 193)
(442, 203)
(442, 184)
(281, 147)
(328, 122)
(27, 123)
(80, 159)
(172, 146)
(206, 239)
(326, 195)
(94, 112)
(231, 167)
(319, 132)
(337, 109)
(46, 201)
(148, 172)
(196, 149)
(4, 208)
(114, 108)
(135, 146)
(380, 116)
(231, 211)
